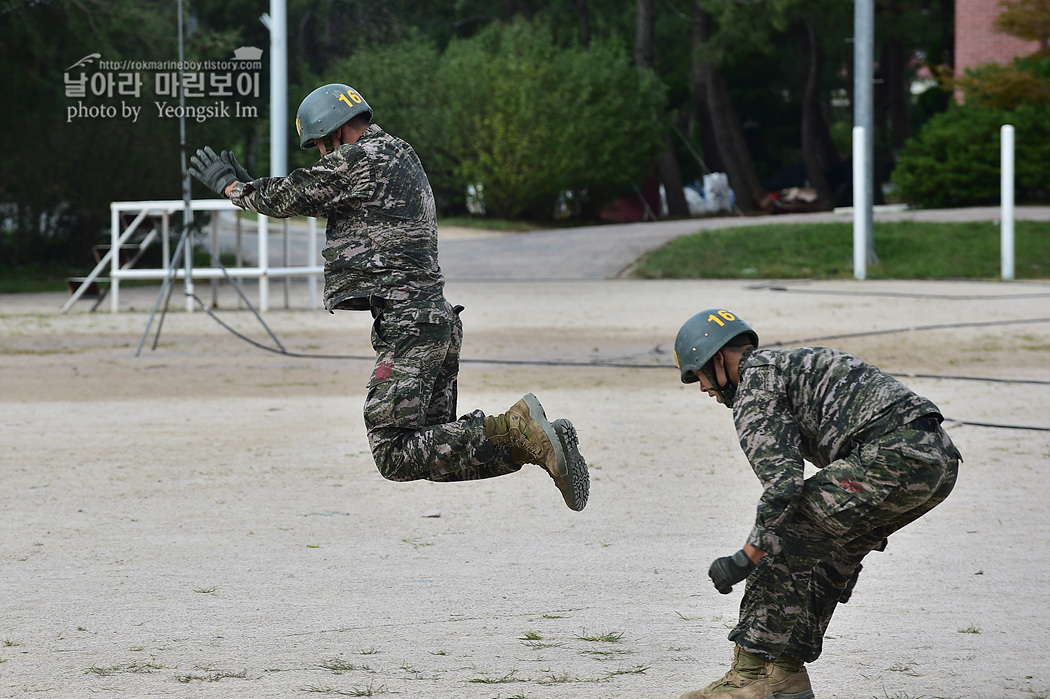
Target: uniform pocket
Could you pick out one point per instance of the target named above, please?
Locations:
(840, 495)
(393, 394)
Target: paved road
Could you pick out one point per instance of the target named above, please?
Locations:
(601, 252)
(588, 252)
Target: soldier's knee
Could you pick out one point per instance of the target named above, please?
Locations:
(389, 455)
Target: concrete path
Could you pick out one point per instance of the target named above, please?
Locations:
(602, 252)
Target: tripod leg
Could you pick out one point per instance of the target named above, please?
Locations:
(165, 292)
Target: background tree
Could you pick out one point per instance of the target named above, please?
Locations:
(58, 174)
(1026, 79)
(666, 160)
(954, 159)
(759, 90)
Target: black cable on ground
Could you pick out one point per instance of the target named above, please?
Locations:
(899, 294)
(996, 425)
(619, 365)
(910, 328)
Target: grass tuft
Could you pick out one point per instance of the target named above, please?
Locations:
(509, 677)
(607, 637)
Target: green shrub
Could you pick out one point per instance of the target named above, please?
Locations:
(509, 110)
(541, 120)
(954, 160)
(402, 85)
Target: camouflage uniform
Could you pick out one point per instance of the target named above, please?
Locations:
(884, 461)
(381, 256)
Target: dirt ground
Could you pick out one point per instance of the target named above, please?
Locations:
(205, 520)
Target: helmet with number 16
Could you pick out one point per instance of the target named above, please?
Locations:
(326, 109)
(703, 335)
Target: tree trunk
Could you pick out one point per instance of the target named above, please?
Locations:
(666, 160)
(518, 7)
(584, 12)
(815, 137)
(643, 33)
(947, 22)
(728, 134)
(712, 159)
(897, 93)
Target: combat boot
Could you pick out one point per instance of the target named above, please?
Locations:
(789, 680)
(532, 439)
(748, 678)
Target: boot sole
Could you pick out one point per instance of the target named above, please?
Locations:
(578, 481)
(805, 694)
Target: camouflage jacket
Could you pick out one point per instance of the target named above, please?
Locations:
(382, 230)
(811, 404)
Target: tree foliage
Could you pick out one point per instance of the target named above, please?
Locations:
(58, 173)
(535, 120)
(1026, 79)
(1025, 19)
(532, 120)
(530, 98)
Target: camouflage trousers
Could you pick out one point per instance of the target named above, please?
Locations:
(410, 406)
(847, 510)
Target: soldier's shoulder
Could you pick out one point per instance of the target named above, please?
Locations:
(762, 357)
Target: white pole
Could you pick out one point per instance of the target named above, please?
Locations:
(1007, 195)
(861, 209)
(311, 254)
(264, 263)
(114, 237)
(277, 23)
(863, 111)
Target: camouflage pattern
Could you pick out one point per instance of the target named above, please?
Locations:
(410, 409)
(381, 255)
(884, 461)
(808, 403)
(381, 238)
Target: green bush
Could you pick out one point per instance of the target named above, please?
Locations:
(402, 84)
(955, 159)
(535, 120)
(509, 110)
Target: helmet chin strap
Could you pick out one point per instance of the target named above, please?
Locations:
(726, 391)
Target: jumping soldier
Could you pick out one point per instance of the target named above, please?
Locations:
(381, 255)
(883, 461)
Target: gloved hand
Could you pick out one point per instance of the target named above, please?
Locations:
(212, 171)
(230, 159)
(729, 570)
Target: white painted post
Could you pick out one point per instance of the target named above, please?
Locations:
(1007, 195)
(311, 254)
(860, 204)
(264, 263)
(165, 241)
(114, 236)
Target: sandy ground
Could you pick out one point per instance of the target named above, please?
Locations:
(205, 520)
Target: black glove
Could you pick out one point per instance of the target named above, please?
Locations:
(212, 171)
(230, 159)
(729, 570)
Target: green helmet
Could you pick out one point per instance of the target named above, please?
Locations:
(326, 109)
(703, 335)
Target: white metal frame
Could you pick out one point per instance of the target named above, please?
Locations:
(164, 209)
